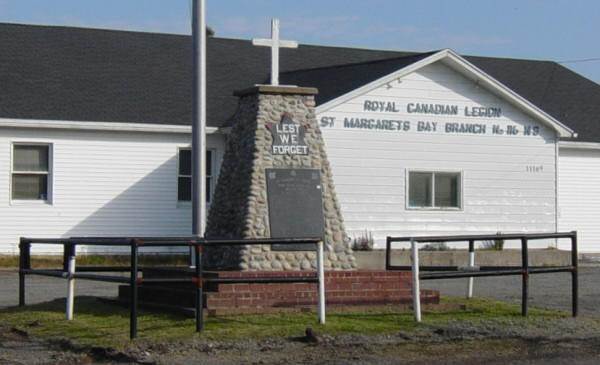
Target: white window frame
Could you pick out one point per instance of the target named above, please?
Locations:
(211, 177)
(49, 173)
(433, 172)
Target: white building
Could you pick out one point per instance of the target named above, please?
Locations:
(94, 135)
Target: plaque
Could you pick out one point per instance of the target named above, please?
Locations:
(295, 201)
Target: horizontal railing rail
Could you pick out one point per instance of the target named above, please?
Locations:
(482, 237)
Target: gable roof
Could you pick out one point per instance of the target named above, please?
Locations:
(77, 74)
(395, 69)
(337, 80)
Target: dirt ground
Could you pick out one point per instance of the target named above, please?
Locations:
(567, 340)
(490, 343)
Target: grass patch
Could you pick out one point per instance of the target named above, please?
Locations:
(55, 261)
(9, 261)
(100, 324)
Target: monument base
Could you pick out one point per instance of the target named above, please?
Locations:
(350, 288)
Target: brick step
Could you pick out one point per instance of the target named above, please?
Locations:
(184, 273)
(342, 288)
(309, 298)
(161, 295)
(271, 298)
(153, 306)
(255, 303)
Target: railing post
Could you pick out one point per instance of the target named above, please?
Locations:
(321, 274)
(199, 287)
(388, 252)
(525, 268)
(471, 265)
(70, 280)
(416, 289)
(66, 255)
(24, 263)
(574, 274)
(133, 282)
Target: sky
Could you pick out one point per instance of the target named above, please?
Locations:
(557, 30)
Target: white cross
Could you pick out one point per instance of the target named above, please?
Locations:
(275, 43)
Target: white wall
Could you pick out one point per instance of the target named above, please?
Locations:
(500, 194)
(103, 183)
(579, 196)
(125, 183)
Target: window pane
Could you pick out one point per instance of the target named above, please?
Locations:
(185, 162)
(447, 190)
(30, 158)
(208, 163)
(419, 185)
(184, 189)
(30, 187)
(208, 189)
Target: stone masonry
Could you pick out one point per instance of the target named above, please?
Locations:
(240, 207)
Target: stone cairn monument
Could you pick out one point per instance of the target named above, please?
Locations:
(274, 132)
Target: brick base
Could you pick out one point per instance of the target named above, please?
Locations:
(342, 288)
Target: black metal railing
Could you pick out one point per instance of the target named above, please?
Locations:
(134, 280)
(471, 271)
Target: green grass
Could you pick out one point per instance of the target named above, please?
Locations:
(97, 323)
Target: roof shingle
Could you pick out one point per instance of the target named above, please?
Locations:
(77, 74)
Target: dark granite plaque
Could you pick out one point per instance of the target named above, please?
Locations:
(295, 205)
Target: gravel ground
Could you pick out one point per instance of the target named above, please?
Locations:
(545, 290)
(487, 342)
(41, 289)
(538, 342)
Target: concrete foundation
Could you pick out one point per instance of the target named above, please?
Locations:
(375, 260)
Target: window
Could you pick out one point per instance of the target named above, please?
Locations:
(440, 190)
(30, 172)
(184, 176)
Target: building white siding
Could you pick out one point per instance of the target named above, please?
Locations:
(579, 196)
(509, 182)
(103, 183)
(125, 183)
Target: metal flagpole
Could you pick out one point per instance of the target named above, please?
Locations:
(199, 118)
